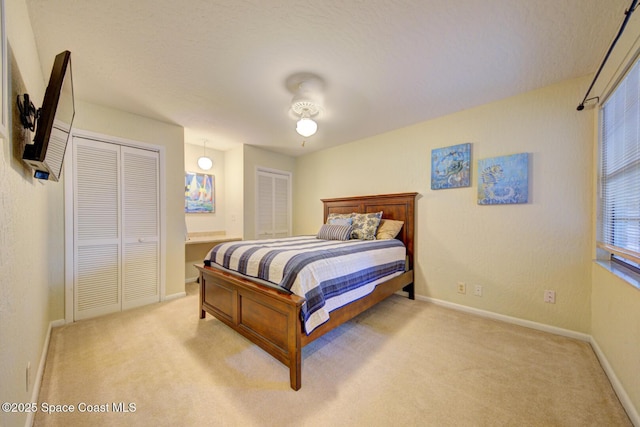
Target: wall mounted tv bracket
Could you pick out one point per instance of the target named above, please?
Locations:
(28, 113)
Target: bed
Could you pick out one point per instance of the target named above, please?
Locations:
(272, 317)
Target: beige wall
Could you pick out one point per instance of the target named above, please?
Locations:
(31, 232)
(32, 219)
(616, 328)
(234, 184)
(615, 303)
(514, 251)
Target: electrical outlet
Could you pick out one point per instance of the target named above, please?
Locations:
(477, 290)
(28, 375)
(550, 297)
(462, 288)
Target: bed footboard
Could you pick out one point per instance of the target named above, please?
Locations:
(266, 317)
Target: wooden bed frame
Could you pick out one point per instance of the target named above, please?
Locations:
(271, 318)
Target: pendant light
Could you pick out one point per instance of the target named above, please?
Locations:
(205, 163)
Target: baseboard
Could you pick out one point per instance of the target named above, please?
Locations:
(508, 319)
(191, 279)
(43, 360)
(626, 402)
(175, 296)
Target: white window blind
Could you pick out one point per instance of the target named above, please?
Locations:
(619, 231)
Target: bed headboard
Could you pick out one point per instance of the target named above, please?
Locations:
(400, 207)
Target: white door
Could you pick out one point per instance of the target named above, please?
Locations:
(273, 205)
(116, 227)
(141, 225)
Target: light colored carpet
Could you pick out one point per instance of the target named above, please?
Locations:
(400, 363)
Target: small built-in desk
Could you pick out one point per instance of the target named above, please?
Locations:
(197, 245)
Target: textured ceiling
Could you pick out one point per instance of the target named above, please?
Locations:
(219, 68)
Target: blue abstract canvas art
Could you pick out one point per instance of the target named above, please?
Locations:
(503, 180)
(450, 167)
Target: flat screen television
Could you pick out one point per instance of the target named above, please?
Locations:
(54, 121)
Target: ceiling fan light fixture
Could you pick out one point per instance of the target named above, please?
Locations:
(306, 102)
(306, 126)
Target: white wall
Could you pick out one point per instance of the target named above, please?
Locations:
(215, 221)
(514, 251)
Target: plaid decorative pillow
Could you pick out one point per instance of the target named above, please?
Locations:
(334, 232)
(365, 225)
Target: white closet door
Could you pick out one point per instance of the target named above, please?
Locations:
(281, 218)
(273, 216)
(116, 227)
(264, 212)
(97, 235)
(140, 219)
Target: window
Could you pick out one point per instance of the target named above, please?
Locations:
(619, 186)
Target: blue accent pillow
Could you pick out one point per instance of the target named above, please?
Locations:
(340, 221)
(334, 216)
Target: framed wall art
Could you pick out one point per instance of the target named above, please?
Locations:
(450, 167)
(199, 193)
(503, 180)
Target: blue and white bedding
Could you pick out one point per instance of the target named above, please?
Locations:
(327, 273)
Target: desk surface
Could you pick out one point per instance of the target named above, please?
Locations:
(193, 240)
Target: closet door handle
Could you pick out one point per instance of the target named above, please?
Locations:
(140, 239)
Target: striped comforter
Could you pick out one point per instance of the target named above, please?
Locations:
(327, 273)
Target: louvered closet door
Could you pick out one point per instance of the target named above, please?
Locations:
(281, 218)
(140, 217)
(97, 236)
(265, 206)
(116, 227)
(273, 205)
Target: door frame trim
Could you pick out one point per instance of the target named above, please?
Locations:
(69, 209)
